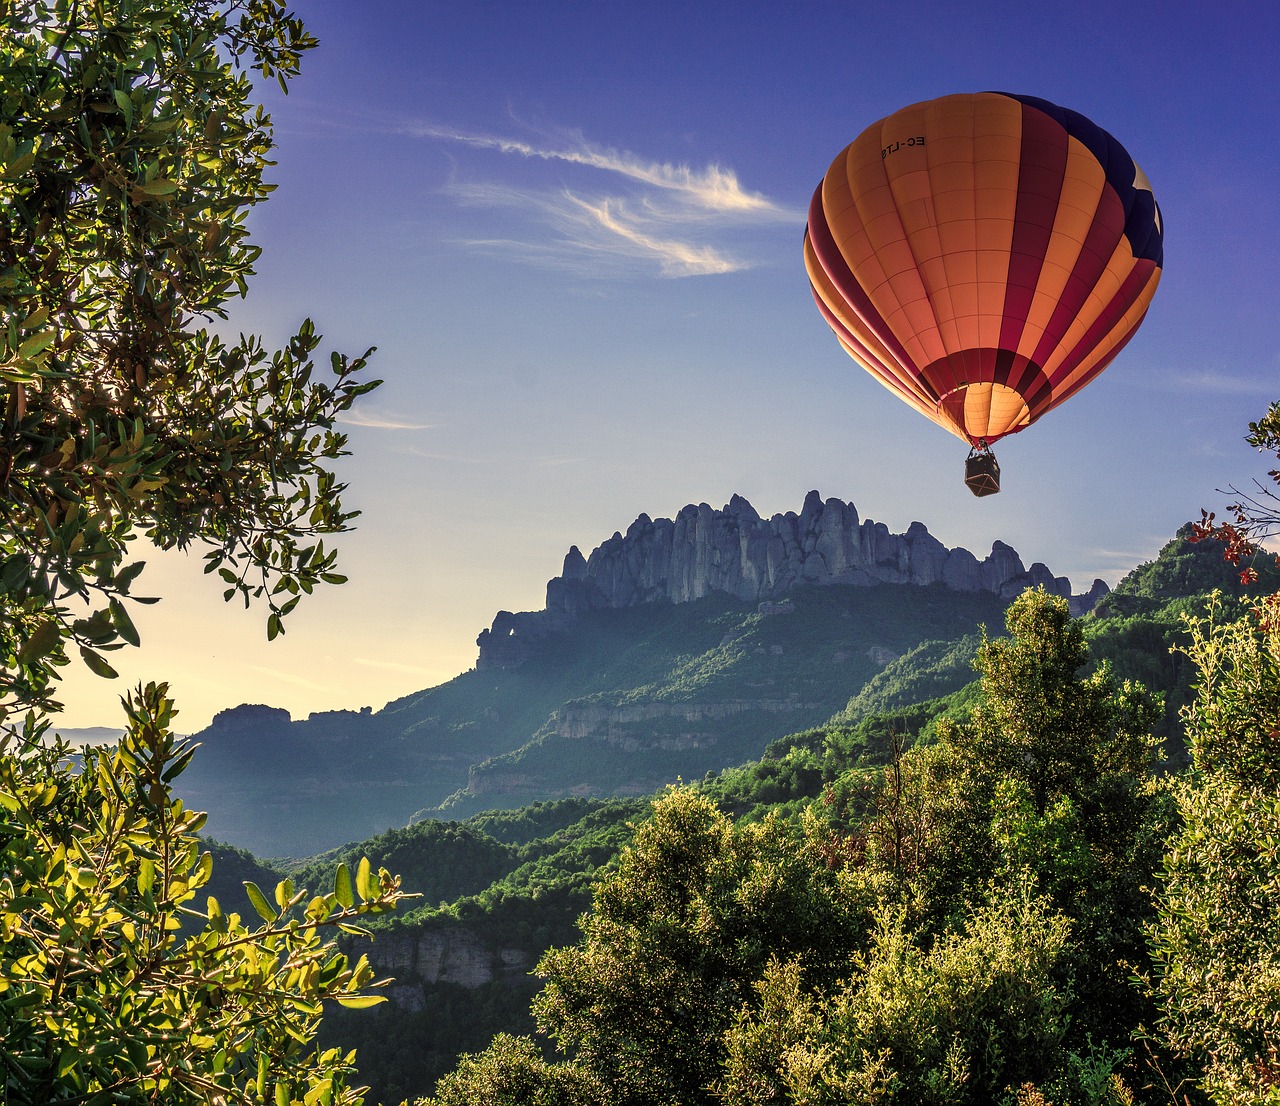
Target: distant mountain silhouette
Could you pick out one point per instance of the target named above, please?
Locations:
(684, 646)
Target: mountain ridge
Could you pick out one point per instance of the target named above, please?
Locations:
(684, 647)
(735, 551)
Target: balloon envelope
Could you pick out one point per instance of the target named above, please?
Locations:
(984, 256)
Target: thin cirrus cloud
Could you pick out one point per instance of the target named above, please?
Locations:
(1225, 384)
(670, 217)
(373, 420)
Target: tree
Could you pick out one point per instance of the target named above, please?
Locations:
(1052, 778)
(511, 1072)
(975, 1014)
(101, 1000)
(1216, 939)
(678, 935)
(1256, 513)
(130, 153)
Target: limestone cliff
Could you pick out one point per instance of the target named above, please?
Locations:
(754, 559)
(442, 954)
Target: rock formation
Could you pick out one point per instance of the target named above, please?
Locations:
(754, 559)
(422, 958)
(249, 717)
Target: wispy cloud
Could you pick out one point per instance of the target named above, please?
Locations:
(672, 219)
(1225, 384)
(589, 234)
(675, 258)
(376, 421)
(713, 188)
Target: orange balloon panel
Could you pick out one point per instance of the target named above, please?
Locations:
(984, 256)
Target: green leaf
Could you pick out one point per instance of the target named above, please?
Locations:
(159, 187)
(365, 883)
(37, 343)
(360, 1002)
(96, 664)
(342, 886)
(204, 869)
(259, 901)
(126, 576)
(179, 765)
(40, 643)
(123, 623)
(20, 165)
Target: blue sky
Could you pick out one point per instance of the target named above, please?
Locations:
(573, 230)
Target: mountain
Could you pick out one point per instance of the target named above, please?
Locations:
(500, 887)
(737, 553)
(678, 648)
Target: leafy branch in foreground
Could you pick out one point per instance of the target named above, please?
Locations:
(101, 998)
(130, 154)
(1256, 513)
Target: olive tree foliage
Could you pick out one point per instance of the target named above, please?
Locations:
(1216, 940)
(102, 1000)
(131, 150)
(679, 933)
(976, 1015)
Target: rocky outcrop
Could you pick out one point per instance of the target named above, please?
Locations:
(754, 559)
(1083, 604)
(617, 724)
(451, 955)
(248, 716)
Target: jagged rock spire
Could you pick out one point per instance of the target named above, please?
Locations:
(735, 551)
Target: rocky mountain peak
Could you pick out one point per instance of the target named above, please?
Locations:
(736, 551)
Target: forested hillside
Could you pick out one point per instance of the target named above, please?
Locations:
(512, 883)
(617, 703)
(971, 922)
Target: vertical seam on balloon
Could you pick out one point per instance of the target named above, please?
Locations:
(846, 289)
(1039, 264)
(884, 169)
(1049, 344)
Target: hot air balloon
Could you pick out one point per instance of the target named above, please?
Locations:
(984, 257)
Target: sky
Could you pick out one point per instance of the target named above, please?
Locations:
(573, 231)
